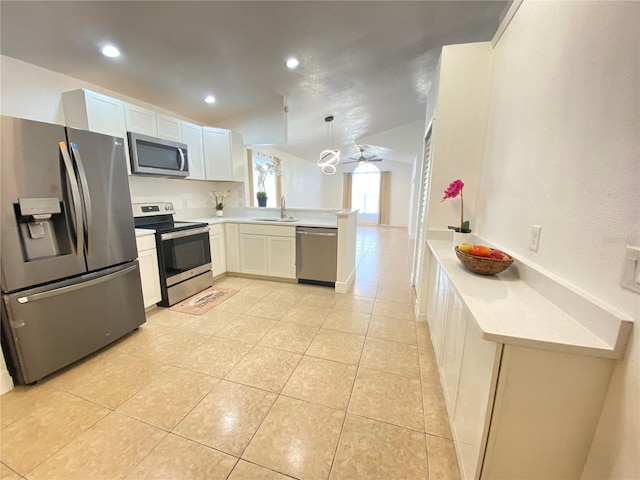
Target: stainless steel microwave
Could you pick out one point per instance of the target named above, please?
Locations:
(158, 157)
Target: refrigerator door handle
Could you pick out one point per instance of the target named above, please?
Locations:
(77, 286)
(85, 194)
(181, 159)
(75, 193)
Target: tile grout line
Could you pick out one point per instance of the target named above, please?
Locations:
(346, 413)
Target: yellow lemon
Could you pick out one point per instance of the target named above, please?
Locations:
(465, 247)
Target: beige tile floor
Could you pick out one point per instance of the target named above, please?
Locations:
(279, 381)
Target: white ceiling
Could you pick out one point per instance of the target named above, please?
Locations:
(370, 64)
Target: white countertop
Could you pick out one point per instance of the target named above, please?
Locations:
(314, 222)
(509, 311)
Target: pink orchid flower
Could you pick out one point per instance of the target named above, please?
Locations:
(453, 190)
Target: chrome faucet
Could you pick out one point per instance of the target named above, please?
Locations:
(283, 209)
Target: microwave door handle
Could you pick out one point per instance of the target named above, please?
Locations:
(181, 159)
(75, 194)
(85, 193)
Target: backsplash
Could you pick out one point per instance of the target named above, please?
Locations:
(190, 198)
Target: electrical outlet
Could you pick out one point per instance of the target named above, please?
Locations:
(534, 241)
(631, 269)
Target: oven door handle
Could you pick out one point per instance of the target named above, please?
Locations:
(183, 233)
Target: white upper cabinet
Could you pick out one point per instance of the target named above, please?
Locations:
(98, 113)
(192, 137)
(94, 112)
(140, 120)
(169, 128)
(217, 153)
(238, 158)
(223, 154)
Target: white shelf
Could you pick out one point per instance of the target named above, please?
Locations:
(509, 311)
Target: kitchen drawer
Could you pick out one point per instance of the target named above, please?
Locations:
(271, 230)
(146, 242)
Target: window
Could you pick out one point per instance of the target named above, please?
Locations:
(366, 193)
(265, 176)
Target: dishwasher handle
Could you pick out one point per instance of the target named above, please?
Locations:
(316, 234)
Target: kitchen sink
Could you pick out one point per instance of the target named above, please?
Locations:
(270, 219)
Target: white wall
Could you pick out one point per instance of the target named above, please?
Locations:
(562, 151)
(462, 89)
(301, 180)
(265, 125)
(400, 195)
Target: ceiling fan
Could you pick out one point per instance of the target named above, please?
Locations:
(364, 159)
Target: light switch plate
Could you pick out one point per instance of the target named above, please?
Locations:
(630, 277)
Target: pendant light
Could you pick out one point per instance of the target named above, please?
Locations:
(329, 158)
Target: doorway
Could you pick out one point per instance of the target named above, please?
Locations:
(365, 193)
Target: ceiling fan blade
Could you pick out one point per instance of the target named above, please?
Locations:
(375, 160)
(346, 163)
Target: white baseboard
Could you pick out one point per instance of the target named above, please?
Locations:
(343, 287)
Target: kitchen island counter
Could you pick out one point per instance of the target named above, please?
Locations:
(345, 221)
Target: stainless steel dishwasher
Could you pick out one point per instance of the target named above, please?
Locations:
(317, 255)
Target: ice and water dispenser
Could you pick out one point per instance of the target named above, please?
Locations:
(43, 228)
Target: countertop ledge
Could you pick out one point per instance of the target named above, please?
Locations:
(141, 232)
(509, 311)
(328, 223)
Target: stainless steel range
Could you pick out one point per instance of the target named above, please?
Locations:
(184, 255)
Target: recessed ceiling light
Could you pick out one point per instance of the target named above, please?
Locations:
(210, 99)
(110, 51)
(292, 63)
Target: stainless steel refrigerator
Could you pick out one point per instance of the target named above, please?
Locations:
(70, 279)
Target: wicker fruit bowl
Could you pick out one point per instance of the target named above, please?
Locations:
(483, 265)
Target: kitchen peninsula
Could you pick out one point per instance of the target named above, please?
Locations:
(259, 244)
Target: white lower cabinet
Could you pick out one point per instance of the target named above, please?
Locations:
(232, 247)
(281, 257)
(149, 273)
(218, 250)
(253, 254)
(268, 250)
(515, 412)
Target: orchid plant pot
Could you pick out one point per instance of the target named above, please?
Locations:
(219, 213)
(262, 201)
(459, 237)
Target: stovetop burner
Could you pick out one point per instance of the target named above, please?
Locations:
(159, 217)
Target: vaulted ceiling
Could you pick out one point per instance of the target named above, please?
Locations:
(370, 64)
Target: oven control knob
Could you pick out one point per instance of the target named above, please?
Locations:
(167, 206)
